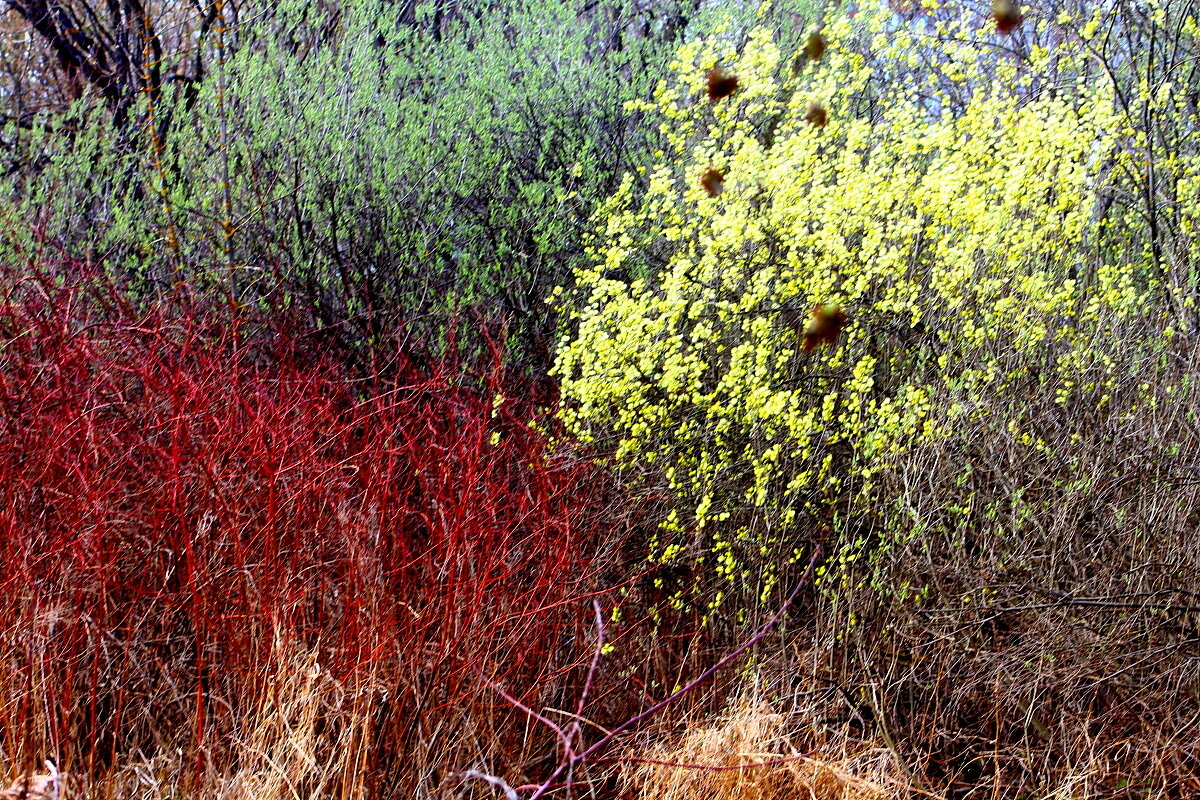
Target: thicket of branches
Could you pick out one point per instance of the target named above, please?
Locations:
(357, 159)
(926, 293)
(995, 442)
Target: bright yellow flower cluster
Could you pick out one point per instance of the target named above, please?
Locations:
(948, 216)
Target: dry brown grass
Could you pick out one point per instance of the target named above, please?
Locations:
(309, 736)
(48, 785)
(747, 754)
(303, 738)
(289, 749)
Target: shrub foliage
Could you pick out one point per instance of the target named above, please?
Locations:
(948, 214)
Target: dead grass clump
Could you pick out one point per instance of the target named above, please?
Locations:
(303, 738)
(746, 755)
(48, 785)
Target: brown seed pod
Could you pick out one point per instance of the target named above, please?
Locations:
(713, 181)
(721, 84)
(817, 115)
(814, 47)
(1007, 15)
(824, 324)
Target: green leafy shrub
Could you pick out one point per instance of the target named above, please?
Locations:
(365, 159)
(367, 163)
(946, 210)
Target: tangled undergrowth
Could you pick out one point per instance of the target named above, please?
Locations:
(911, 285)
(226, 552)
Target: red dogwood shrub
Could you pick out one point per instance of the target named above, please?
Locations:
(183, 489)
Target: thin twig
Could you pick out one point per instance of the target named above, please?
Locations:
(498, 689)
(509, 792)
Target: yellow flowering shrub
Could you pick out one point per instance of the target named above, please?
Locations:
(946, 214)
